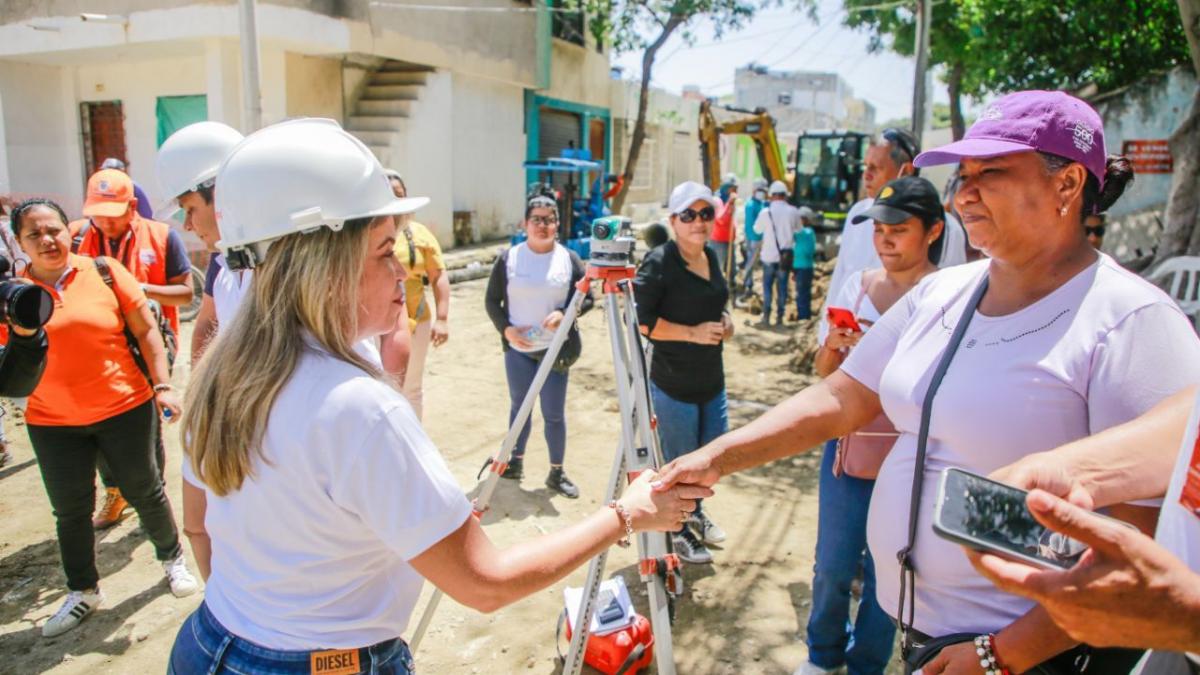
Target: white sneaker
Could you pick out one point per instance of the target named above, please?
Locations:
(810, 668)
(707, 530)
(77, 606)
(182, 582)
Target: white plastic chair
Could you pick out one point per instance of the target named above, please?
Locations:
(1180, 278)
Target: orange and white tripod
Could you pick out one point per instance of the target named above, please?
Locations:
(639, 451)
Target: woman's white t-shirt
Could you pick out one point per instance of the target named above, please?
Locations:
(1100, 350)
(538, 284)
(313, 550)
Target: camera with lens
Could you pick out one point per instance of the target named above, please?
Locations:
(612, 242)
(23, 304)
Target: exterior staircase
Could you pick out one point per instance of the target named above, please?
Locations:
(383, 108)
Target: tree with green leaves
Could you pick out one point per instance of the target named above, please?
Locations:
(646, 25)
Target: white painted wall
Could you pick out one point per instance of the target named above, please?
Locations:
(41, 150)
(422, 154)
(488, 149)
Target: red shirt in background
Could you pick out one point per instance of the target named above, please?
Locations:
(723, 227)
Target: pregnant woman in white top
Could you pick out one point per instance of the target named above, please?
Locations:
(1064, 343)
(327, 504)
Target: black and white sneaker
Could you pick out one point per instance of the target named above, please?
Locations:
(690, 549)
(707, 530)
(558, 481)
(74, 609)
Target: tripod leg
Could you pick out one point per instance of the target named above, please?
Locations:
(587, 605)
(500, 460)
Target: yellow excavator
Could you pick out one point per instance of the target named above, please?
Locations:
(758, 125)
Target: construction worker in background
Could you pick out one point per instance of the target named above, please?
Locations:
(777, 225)
(187, 170)
(143, 202)
(153, 253)
(756, 203)
(722, 232)
(889, 156)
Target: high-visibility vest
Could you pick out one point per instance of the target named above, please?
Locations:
(143, 251)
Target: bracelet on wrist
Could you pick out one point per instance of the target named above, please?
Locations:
(985, 647)
(626, 519)
(163, 387)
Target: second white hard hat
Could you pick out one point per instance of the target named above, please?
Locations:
(298, 176)
(778, 188)
(189, 158)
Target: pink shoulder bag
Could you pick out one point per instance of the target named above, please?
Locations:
(861, 453)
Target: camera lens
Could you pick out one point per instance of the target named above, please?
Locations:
(601, 231)
(25, 305)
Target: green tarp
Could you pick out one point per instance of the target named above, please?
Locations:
(176, 112)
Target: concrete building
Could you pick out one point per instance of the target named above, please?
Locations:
(802, 100)
(669, 155)
(455, 100)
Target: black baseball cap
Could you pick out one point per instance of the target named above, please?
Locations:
(902, 199)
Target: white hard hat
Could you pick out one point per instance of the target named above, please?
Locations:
(731, 179)
(189, 159)
(760, 183)
(298, 176)
(778, 188)
(806, 212)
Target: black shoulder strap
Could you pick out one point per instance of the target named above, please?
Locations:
(77, 240)
(105, 271)
(906, 614)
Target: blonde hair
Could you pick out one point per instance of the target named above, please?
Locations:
(306, 289)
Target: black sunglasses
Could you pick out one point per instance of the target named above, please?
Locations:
(898, 137)
(1097, 230)
(707, 214)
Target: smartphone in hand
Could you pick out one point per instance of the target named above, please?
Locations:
(986, 515)
(841, 317)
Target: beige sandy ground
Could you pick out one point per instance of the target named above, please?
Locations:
(744, 614)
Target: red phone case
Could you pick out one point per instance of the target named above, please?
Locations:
(843, 318)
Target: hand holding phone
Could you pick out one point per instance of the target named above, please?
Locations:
(840, 317)
(985, 515)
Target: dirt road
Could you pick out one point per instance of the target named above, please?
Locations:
(743, 614)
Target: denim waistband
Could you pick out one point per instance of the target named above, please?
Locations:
(223, 645)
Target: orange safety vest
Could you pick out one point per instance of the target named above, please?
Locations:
(143, 251)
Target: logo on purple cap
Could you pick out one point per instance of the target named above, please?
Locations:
(1085, 137)
(991, 113)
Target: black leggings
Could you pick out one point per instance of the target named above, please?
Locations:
(67, 457)
(160, 461)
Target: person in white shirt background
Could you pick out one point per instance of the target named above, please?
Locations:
(777, 223)
(889, 156)
(327, 504)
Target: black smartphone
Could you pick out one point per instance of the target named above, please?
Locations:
(985, 515)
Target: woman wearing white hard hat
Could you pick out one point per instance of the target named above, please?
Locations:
(327, 504)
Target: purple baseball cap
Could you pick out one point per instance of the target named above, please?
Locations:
(1047, 121)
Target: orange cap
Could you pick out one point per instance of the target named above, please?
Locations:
(108, 194)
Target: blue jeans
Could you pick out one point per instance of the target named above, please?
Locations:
(721, 248)
(753, 248)
(204, 647)
(520, 369)
(684, 427)
(774, 278)
(865, 646)
(804, 278)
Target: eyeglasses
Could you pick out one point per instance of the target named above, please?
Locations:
(707, 214)
(1094, 231)
(543, 221)
(898, 137)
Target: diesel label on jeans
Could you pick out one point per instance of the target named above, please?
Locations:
(335, 662)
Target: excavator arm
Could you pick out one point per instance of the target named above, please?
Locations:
(759, 126)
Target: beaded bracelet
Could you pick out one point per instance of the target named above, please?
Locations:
(627, 540)
(988, 659)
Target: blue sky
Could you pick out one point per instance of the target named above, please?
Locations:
(787, 40)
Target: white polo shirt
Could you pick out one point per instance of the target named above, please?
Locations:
(313, 550)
